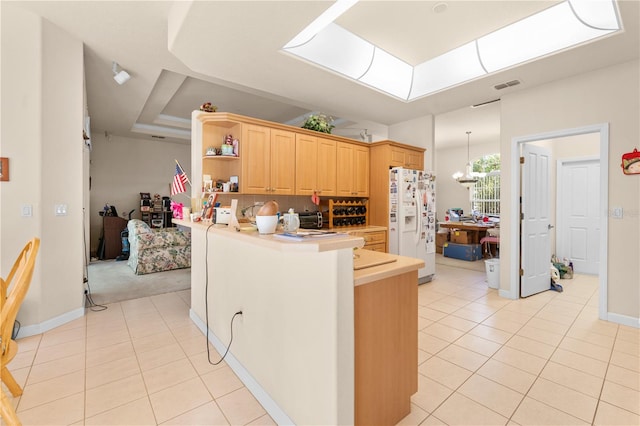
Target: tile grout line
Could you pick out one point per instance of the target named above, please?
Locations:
(545, 365)
(213, 399)
(504, 344)
(488, 358)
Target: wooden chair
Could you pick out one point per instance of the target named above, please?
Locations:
(7, 412)
(486, 243)
(13, 290)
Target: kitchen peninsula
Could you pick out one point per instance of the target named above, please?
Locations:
(317, 342)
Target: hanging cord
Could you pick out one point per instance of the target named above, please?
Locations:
(206, 302)
(87, 292)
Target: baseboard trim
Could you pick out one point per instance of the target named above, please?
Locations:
(623, 320)
(507, 294)
(32, 330)
(274, 410)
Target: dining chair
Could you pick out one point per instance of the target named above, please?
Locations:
(13, 290)
(7, 412)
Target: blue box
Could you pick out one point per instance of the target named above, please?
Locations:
(468, 252)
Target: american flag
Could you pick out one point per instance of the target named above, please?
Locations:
(179, 180)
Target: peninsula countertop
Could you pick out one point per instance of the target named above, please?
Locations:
(384, 265)
(250, 234)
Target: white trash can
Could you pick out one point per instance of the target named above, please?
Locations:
(493, 272)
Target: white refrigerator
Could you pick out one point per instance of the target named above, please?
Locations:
(412, 217)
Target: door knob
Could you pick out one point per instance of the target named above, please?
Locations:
(549, 226)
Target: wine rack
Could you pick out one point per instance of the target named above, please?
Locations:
(346, 214)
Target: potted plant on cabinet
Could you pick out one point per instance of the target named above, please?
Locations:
(319, 123)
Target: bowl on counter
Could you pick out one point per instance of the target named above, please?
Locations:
(267, 224)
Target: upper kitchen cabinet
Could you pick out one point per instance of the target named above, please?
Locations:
(315, 165)
(352, 161)
(395, 154)
(268, 160)
(277, 159)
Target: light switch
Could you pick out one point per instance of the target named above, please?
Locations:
(61, 209)
(617, 212)
(27, 210)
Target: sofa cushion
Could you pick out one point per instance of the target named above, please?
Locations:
(156, 250)
(145, 237)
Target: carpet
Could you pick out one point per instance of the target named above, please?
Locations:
(113, 281)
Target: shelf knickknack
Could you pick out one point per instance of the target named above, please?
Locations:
(319, 123)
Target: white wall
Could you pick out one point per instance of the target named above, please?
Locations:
(122, 168)
(297, 314)
(42, 120)
(608, 95)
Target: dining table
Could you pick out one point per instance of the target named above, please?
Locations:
(478, 228)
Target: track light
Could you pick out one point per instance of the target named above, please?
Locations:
(121, 77)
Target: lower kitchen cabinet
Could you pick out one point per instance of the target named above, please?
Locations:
(375, 238)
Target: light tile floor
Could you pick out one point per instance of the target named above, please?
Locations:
(483, 359)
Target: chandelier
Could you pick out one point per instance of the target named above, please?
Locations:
(468, 179)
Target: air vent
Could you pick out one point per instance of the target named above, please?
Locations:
(485, 103)
(507, 84)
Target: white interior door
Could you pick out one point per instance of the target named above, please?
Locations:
(534, 240)
(579, 215)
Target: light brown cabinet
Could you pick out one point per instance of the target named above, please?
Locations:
(352, 170)
(315, 165)
(395, 154)
(268, 160)
(375, 240)
(278, 159)
(403, 157)
(386, 349)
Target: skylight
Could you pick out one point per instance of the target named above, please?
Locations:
(565, 25)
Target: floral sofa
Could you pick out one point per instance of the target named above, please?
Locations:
(156, 250)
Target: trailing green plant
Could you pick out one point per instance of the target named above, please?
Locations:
(319, 123)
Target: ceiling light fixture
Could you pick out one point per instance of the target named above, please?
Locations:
(559, 27)
(467, 179)
(121, 77)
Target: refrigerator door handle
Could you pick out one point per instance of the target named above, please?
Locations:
(416, 237)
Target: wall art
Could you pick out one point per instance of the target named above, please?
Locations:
(4, 169)
(631, 163)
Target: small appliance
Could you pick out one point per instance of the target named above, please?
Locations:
(310, 220)
(222, 215)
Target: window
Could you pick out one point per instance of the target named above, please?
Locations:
(485, 196)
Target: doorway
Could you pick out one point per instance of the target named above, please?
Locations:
(602, 130)
(578, 213)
